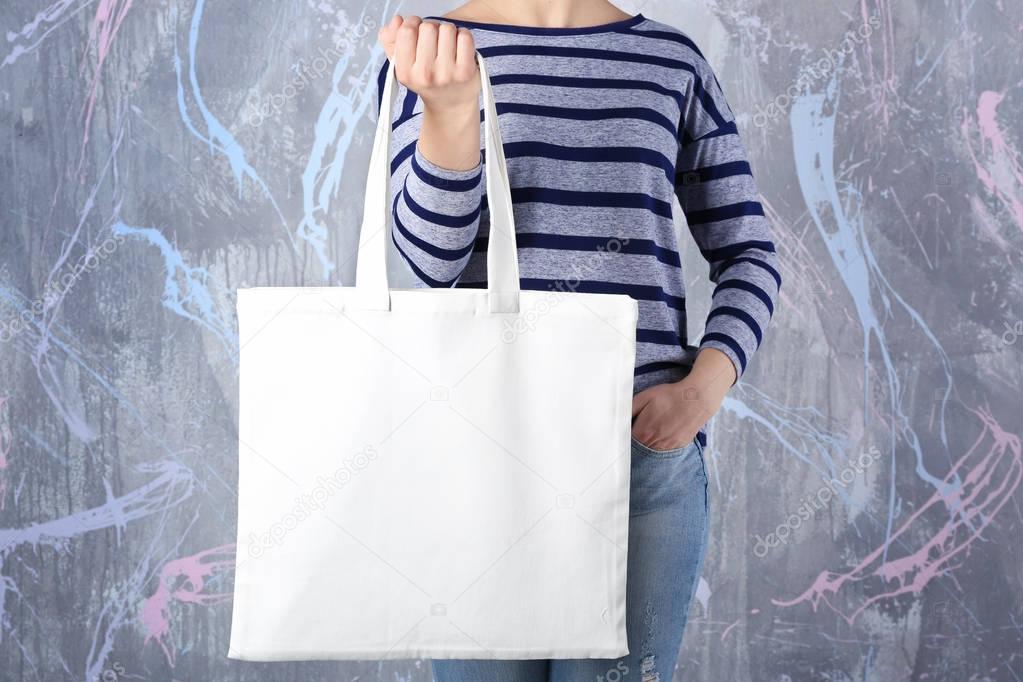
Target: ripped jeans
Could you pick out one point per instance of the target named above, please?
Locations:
(668, 528)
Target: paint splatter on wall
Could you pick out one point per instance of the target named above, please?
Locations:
(156, 156)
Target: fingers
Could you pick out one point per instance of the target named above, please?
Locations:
(444, 64)
(639, 424)
(644, 423)
(639, 401)
(407, 40)
(436, 60)
(405, 47)
(426, 52)
(388, 33)
(456, 55)
(465, 55)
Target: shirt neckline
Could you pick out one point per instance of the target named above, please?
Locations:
(546, 30)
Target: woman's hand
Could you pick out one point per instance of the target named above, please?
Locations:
(668, 416)
(437, 61)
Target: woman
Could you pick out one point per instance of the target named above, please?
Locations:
(605, 116)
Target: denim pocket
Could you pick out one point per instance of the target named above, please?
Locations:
(663, 478)
(648, 451)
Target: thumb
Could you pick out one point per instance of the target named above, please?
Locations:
(639, 401)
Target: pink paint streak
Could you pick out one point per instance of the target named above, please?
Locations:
(183, 580)
(727, 631)
(991, 471)
(1000, 172)
(109, 16)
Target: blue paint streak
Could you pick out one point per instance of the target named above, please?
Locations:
(813, 134)
(186, 289)
(334, 131)
(219, 138)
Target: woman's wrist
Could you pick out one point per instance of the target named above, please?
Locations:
(450, 136)
(707, 383)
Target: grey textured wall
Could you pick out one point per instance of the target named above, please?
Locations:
(155, 155)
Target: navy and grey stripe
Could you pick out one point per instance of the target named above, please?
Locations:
(603, 129)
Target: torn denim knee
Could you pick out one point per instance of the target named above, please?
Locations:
(647, 671)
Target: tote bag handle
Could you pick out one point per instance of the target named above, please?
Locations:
(502, 256)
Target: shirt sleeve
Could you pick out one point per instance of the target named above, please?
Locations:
(435, 211)
(719, 196)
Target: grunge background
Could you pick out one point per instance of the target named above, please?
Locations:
(157, 154)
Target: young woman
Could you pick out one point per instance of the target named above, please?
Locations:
(605, 116)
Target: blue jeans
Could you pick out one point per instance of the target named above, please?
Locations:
(668, 527)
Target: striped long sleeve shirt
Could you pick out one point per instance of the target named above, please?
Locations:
(602, 127)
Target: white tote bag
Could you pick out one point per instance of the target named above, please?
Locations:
(435, 473)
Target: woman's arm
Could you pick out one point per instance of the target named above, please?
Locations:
(717, 192)
(436, 166)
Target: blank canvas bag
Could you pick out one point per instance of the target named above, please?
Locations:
(436, 473)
